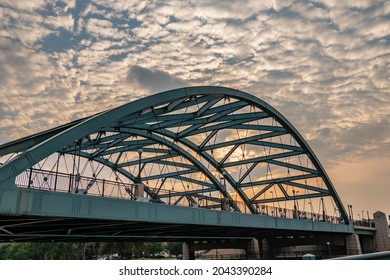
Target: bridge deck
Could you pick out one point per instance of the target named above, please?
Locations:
(33, 215)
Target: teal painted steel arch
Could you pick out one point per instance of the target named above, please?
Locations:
(37, 147)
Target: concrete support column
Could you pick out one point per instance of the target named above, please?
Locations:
(382, 240)
(367, 243)
(253, 250)
(353, 244)
(187, 253)
(266, 249)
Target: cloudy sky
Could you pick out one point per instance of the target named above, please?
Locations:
(325, 65)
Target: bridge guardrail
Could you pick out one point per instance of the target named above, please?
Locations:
(78, 184)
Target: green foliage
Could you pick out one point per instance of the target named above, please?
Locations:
(174, 248)
(153, 249)
(119, 250)
(131, 250)
(48, 251)
(86, 250)
(38, 251)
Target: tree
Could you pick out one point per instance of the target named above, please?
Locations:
(175, 248)
(81, 250)
(120, 250)
(154, 249)
(131, 250)
(31, 251)
(49, 251)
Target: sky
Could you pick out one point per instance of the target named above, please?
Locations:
(325, 65)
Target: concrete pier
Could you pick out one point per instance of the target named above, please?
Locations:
(382, 240)
(353, 244)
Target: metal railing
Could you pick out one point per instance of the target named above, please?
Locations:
(83, 185)
(73, 183)
(281, 212)
(364, 223)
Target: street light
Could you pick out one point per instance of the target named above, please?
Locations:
(330, 252)
(351, 212)
(224, 200)
(295, 213)
(223, 181)
(139, 187)
(294, 199)
(140, 151)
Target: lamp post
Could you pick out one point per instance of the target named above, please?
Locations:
(223, 181)
(351, 212)
(295, 206)
(224, 202)
(273, 202)
(139, 187)
(294, 199)
(330, 252)
(140, 151)
(323, 210)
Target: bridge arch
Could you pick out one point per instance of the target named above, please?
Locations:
(217, 142)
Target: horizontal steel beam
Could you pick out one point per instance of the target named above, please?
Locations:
(48, 205)
(260, 159)
(278, 180)
(243, 140)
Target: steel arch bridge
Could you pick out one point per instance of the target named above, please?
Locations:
(201, 147)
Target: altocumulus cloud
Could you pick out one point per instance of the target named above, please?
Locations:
(154, 80)
(324, 64)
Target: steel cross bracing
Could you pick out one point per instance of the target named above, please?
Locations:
(208, 147)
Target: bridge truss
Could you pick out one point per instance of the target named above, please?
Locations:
(205, 147)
